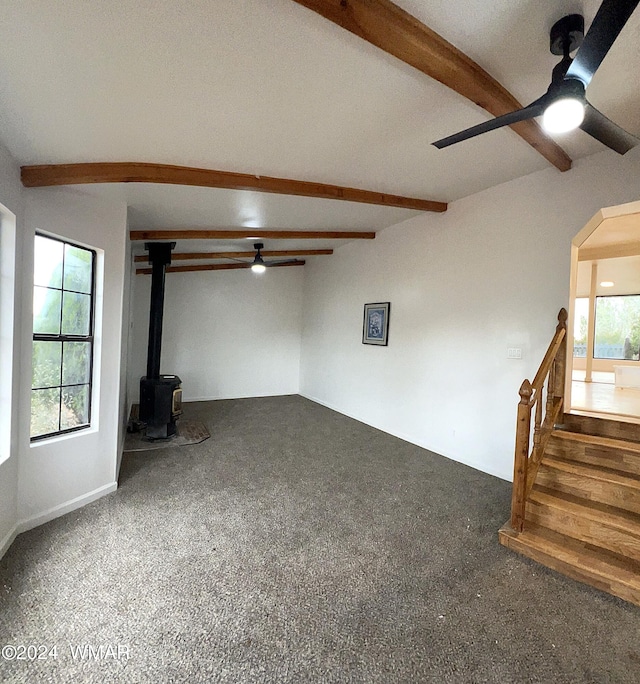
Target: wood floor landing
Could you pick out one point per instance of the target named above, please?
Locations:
(605, 397)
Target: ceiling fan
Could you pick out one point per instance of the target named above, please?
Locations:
(259, 265)
(564, 106)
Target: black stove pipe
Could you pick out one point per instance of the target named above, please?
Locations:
(159, 258)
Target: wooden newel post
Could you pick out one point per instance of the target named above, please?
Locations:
(523, 432)
(561, 357)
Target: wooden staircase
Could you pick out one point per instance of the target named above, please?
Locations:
(576, 501)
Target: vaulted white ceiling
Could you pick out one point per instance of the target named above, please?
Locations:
(273, 88)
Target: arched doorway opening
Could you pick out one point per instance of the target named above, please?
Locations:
(603, 369)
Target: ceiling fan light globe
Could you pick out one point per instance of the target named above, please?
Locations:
(563, 115)
(258, 268)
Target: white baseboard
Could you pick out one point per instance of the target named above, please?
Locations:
(8, 540)
(224, 397)
(64, 508)
(187, 400)
(406, 438)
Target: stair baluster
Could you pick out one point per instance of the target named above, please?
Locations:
(552, 373)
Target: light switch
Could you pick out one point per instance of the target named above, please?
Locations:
(514, 353)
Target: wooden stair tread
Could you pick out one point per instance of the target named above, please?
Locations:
(597, 440)
(594, 566)
(590, 483)
(620, 455)
(594, 472)
(576, 423)
(588, 509)
(619, 417)
(572, 549)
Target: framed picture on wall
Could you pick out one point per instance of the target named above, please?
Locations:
(375, 328)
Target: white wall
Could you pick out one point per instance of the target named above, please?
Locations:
(490, 273)
(59, 474)
(227, 334)
(10, 259)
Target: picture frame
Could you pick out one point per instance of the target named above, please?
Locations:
(375, 326)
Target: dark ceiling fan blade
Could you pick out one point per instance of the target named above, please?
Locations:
(599, 127)
(534, 109)
(605, 28)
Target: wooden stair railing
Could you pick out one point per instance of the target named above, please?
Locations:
(552, 373)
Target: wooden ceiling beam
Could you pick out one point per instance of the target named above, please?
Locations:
(400, 34)
(187, 256)
(46, 175)
(214, 267)
(258, 233)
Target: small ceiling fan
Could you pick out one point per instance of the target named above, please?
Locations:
(259, 265)
(564, 106)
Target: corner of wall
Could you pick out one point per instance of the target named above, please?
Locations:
(126, 342)
(11, 241)
(58, 475)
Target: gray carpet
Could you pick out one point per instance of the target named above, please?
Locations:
(297, 545)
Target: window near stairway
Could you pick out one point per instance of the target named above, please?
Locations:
(580, 324)
(63, 305)
(617, 330)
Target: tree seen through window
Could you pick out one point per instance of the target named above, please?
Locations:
(62, 336)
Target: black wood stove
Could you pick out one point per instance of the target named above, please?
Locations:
(160, 395)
